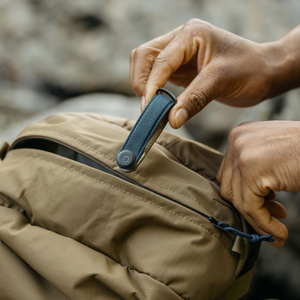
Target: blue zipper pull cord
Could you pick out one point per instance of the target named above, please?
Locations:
(253, 238)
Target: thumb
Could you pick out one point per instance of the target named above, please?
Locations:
(195, 97)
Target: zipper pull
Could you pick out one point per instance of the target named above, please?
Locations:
(253, 238)
(146, 130)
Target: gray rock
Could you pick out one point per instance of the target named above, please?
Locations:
(84, 45)
(110, 104)
(18, 102)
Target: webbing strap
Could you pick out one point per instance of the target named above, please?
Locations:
(238, 246)
(239, 287)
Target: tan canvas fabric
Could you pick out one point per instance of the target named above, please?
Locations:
(69, 231)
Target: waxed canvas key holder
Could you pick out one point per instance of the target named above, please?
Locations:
(146, 130)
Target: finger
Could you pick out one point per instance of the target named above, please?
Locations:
(237, 198)
(141, 61)
(270, 196)
(236, 189)
(237, 201)
(226, 179)
(165, 64)
(276, 209)
(220, 171)
(259, 217)
(204, 88)
(177, 53)
(142, 58)
(184, 75)
(258, 211)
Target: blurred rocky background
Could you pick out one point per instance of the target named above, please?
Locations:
(73, 55)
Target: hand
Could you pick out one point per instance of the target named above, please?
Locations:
(210, 63)
(261, 157)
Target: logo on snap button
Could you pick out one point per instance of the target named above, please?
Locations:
(125, 159)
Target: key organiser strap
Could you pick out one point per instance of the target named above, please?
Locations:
(146, 130)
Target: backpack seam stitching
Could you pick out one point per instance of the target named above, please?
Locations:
(81, 143)
(73, 139)
(198, 174)
(130, 194)
(195, 172)
(178, 193)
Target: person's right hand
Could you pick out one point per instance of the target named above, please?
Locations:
(210, 63)
(261, 157)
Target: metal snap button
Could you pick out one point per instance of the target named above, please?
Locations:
(125, 159)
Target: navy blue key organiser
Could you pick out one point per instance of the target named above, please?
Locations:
(146, 130)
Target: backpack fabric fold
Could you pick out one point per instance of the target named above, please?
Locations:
(71, 231)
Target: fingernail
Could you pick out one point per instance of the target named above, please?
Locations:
(181, 117)
(143, 103)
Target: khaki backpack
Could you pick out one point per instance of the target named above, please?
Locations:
(74, 226)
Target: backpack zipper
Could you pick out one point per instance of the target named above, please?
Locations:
(89, 161)
(96, 164)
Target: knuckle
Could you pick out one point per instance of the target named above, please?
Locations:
(219, 176)
(140, 63)
(236, 202)
(236, 131)
(227, 195)
(136, 53)
(267, 184)
(137, 85)
(247, 209)
(239, 143)
(237, 140)
(196, 23)
(141, 53)
(195, 102)
(134, 85)
(196, 27)
(223, 74)
(246, 123)
(244, 160)
(233, 135)
(164, 63)
(162, 58)
(193, 21)
(132, 53)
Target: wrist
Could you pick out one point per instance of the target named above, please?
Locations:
(283, 64)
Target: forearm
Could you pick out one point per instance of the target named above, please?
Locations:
(284, 56)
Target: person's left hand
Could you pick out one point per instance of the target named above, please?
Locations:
(261, 157)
